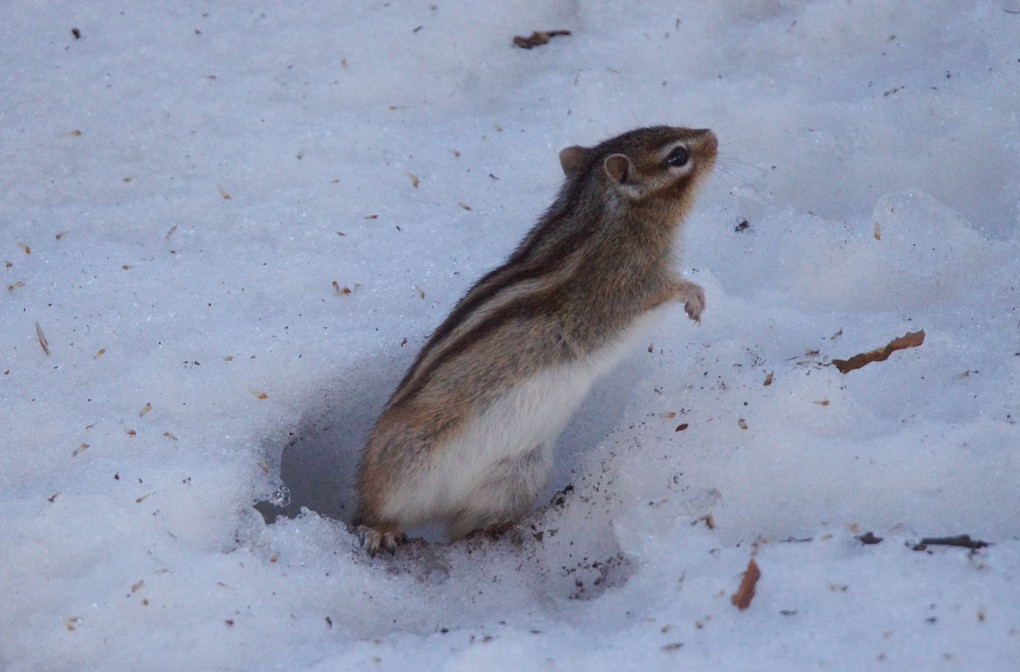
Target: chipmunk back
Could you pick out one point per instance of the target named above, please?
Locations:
(467, 436)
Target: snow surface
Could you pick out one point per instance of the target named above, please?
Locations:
(201, 357)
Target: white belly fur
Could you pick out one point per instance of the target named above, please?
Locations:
(532, 413)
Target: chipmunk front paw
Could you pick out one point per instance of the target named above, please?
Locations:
(693, 297)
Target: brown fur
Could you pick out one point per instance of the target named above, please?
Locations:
(600, 258)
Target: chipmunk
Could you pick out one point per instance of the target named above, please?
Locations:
(467, 437)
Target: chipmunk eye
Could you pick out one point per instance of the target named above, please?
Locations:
(678, 157)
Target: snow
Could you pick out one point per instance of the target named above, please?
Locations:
(201, 357)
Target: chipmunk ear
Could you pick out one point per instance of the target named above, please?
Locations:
(571, 159)
(619, 168)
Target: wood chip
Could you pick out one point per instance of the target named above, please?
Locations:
(910, 340)
(145, 409)
(223, 192)
(79, 449)
(170, 436)
(414, 179)
(742, 598)
(24, 248)
(768, 379)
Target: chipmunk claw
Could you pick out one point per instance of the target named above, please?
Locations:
(372, 539)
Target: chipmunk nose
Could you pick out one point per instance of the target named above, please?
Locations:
(711, 142)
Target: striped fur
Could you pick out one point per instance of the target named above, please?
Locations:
(467, 436)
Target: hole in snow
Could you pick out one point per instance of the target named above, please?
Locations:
(321, 450)
(568, 545)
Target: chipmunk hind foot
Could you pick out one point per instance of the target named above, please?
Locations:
(384, 536)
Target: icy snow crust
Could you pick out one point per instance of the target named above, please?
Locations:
(129, 536)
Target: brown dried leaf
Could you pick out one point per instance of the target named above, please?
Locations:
(768, 379)
(537, 38)
(742, 598)
(909, 340)
(42, 339)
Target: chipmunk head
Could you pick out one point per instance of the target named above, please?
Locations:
(659, 165)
